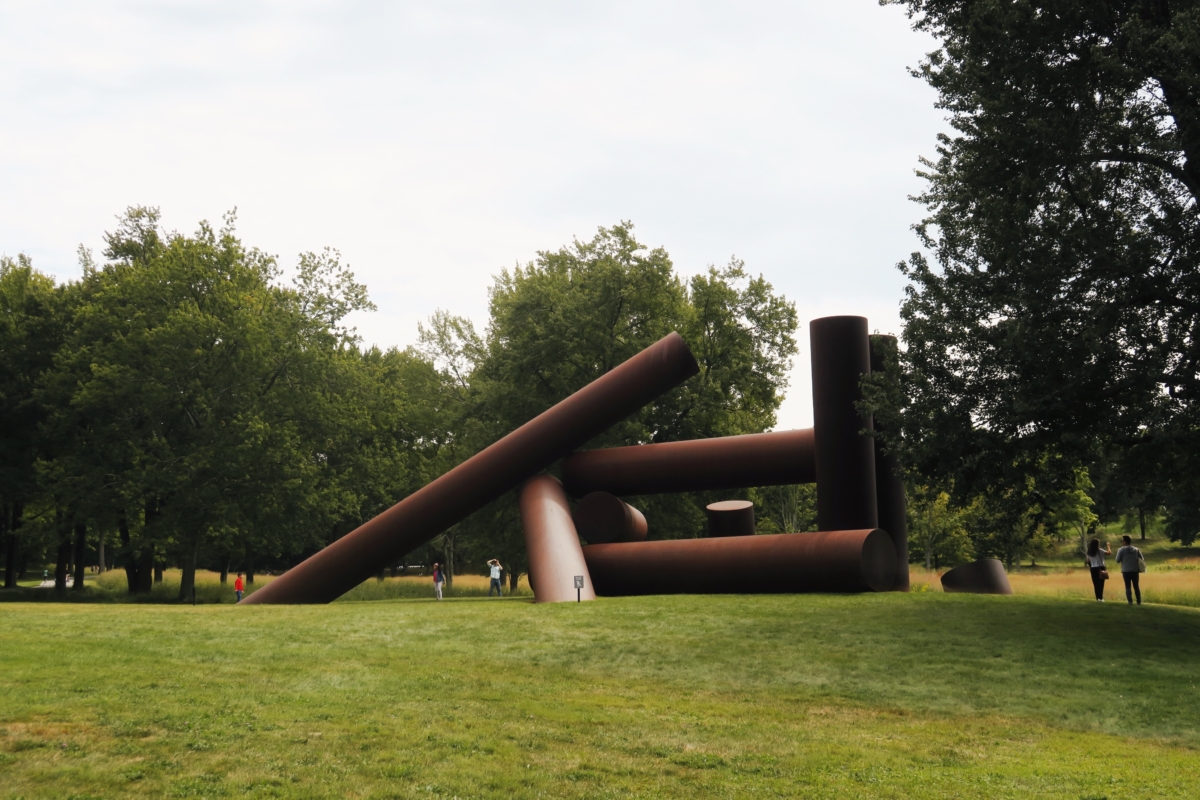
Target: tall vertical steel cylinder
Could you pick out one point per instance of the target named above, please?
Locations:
(602, 518)
(730, 518)
(845, 455)
(485, 476)
(555, 557)
(724, 462)
(889, 488)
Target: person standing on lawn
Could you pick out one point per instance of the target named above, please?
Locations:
(1132, 563)
(499, 587)
(1095, 562)
(439, 578)
(239, 586)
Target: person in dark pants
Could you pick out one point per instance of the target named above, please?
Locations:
(1095, 562)
(239, 586)
(1130, 559)
(496, 584)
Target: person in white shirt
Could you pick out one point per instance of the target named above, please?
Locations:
(1130, 559)
(499, 587)
(1095, 562)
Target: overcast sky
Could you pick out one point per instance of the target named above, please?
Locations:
(435, 143)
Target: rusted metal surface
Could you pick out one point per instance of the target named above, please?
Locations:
(727, 462)
(602, 518)
(986, 576)
(730, 518)
(845, 457)
(485, 476)
(555, 557)
(829, 561)
(889, 489)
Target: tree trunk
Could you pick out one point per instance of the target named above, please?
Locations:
(60, 567)
(224, 569)
(12, 523)
(514, 577)
(187, 580)
(131, 562)
(248, 567)
(158, 572)
(80, 554)
(1142, 521)
(145, 572)
(101, 567)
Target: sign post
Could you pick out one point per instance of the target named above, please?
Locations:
(578, 588)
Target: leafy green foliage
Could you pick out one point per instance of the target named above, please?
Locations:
(1056, 325)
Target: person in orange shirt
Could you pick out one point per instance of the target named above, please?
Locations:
(239, 586)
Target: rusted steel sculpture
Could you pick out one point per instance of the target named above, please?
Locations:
(889, 489)
(603, 518)
(730, 518)
(555, 558)
(986, 576)
(485, 476)
(845, 456)
(727, 462)
(829, 561)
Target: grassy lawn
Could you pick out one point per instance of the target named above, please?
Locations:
(921, 695)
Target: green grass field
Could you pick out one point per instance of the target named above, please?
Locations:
(921, 695)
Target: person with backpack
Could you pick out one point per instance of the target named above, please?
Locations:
(439, 577)
(1095, 562)
(1132, 565)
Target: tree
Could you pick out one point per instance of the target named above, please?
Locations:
(30, 331)
(196, 398)
(937, 531)
(1059, 323)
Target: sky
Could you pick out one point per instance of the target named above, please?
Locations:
(434, 144)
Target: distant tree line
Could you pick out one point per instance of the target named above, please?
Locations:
(182, 405)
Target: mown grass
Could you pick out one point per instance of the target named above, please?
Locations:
(922, 695)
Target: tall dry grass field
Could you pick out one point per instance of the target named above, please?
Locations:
(1176, 582)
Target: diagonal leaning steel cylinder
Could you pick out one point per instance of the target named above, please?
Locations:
(485, 476)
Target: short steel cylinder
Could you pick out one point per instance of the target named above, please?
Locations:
(829, 561)
(603, 518)
(555, 557)
(986, 576)
(845, 455)
(695, 465)
(889, 489)
(730, 518)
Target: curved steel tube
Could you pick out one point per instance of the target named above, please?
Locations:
(555, 557)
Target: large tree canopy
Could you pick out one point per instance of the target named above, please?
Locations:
(1060, 323)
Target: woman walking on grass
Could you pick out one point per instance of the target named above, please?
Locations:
(1095, 561)
(1132, 564)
